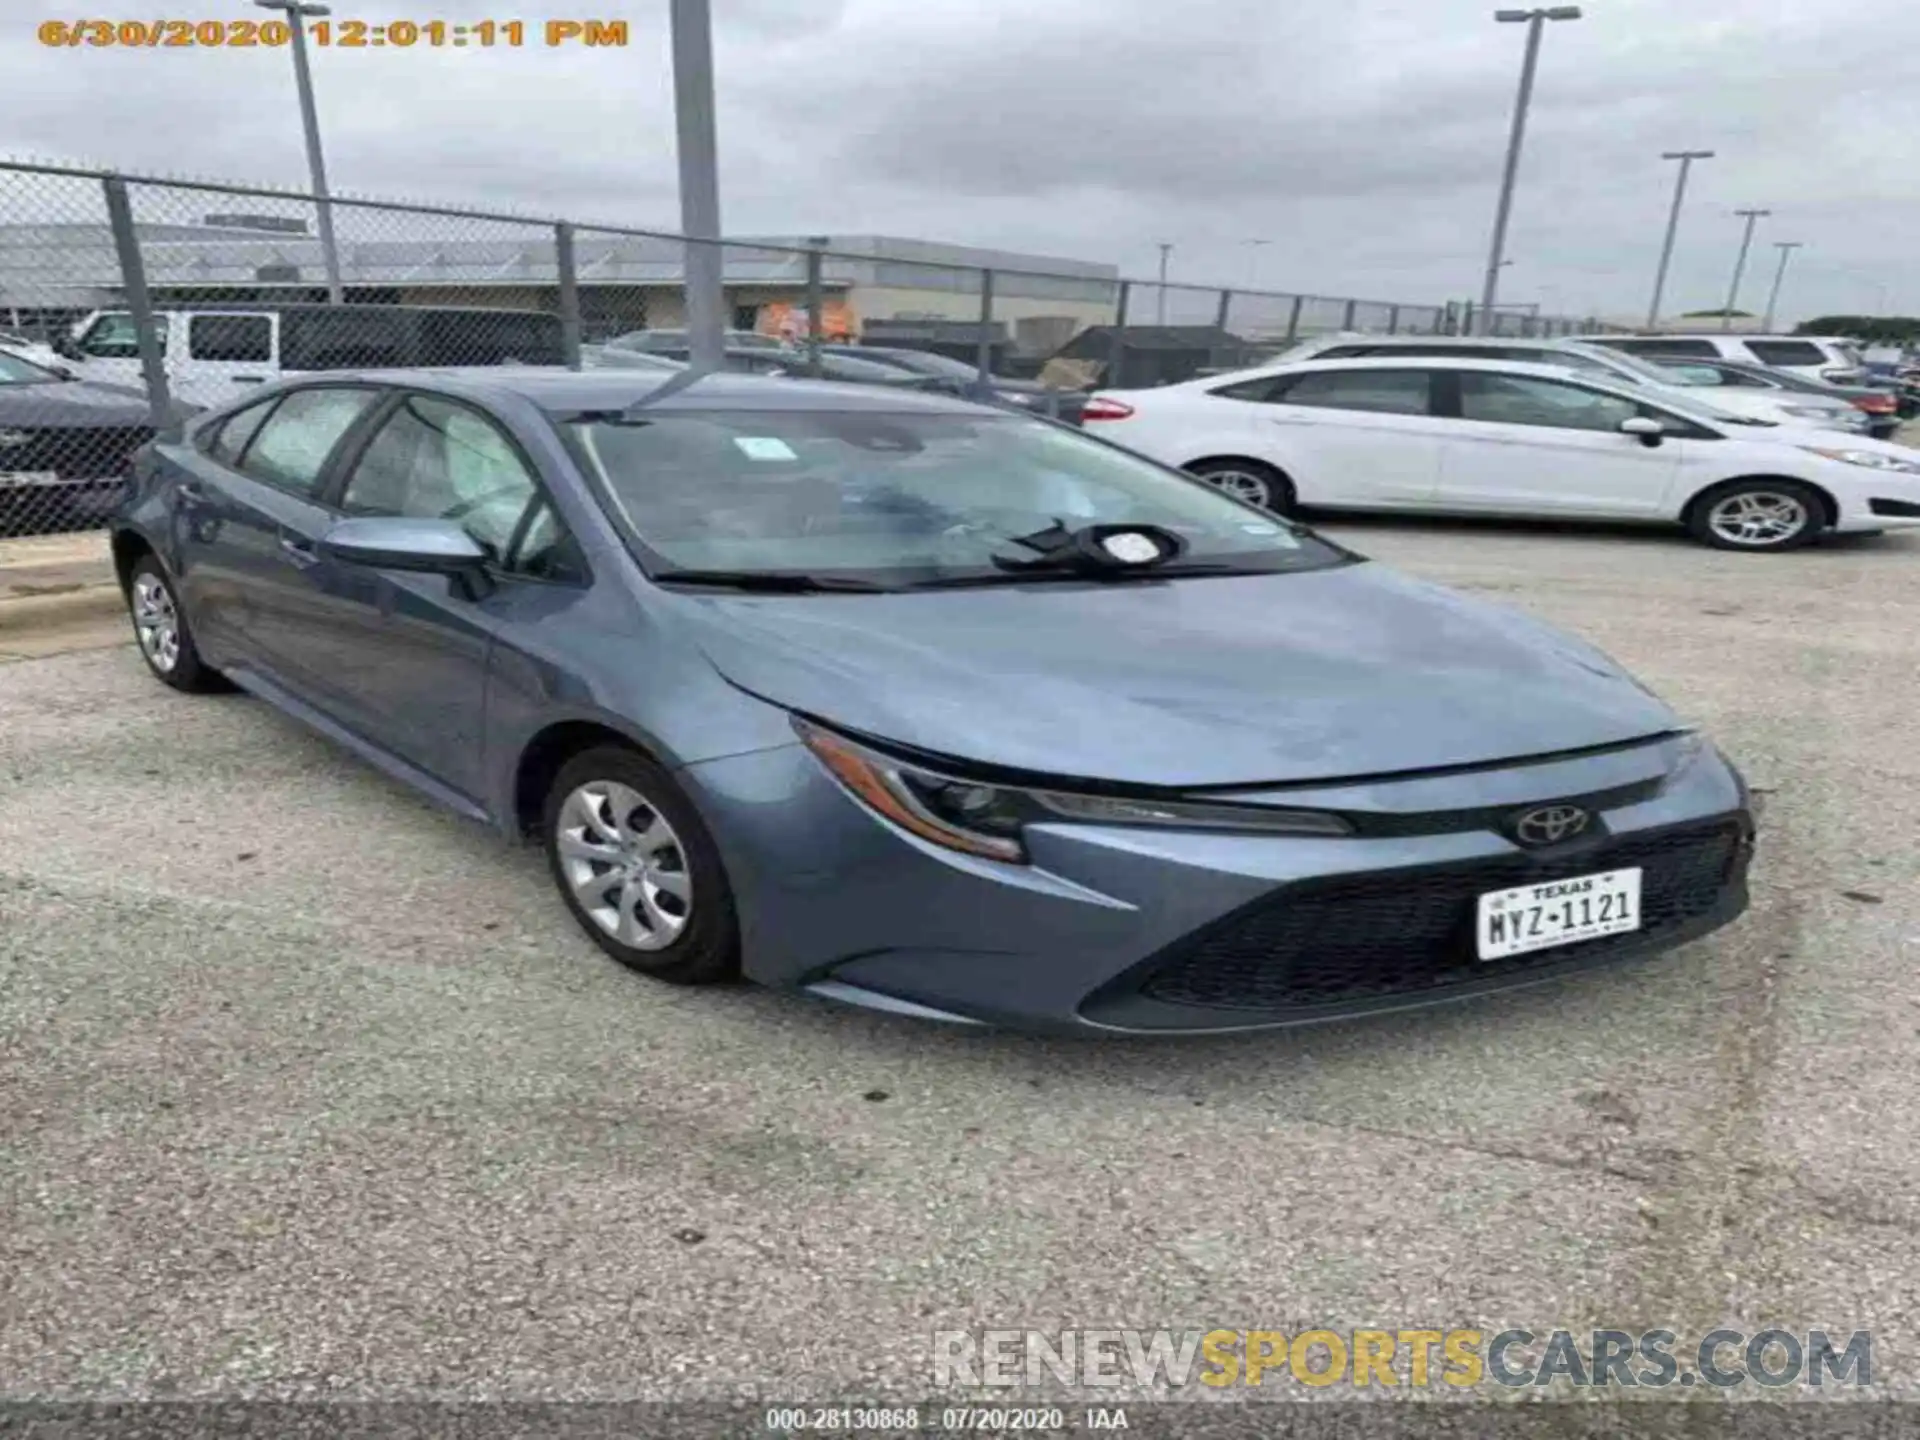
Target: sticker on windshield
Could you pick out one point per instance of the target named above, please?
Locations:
(1259, 528)
(764, 447)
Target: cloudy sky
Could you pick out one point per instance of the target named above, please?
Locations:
(1360, 138)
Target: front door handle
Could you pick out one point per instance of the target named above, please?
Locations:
(249, 379)
(300, 552)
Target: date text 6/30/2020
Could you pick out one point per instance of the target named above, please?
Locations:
(98, 34)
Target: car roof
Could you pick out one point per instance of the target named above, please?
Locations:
(559, 391)
(1541, 342)
(1391, 362)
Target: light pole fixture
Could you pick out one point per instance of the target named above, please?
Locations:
(1253, 258)
(1786, 249)
(297, 13)
(1740, 265)
(1686, 159)
(1535, 21)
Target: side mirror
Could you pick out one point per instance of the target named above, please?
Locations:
(1647, 430)
(63, 345)
(427, 547)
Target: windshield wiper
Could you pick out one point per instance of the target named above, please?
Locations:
(770, 582)
(1049, 576)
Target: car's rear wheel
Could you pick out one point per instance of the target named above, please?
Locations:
(1253, 481)
(161, 630)
(639, 869)
(1757, 515)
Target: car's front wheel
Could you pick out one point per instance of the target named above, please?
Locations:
(639, 869)
(1757, 515)
(160, 627)
(1253, 481)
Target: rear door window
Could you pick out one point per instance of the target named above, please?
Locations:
(291, 449)
(229, 441)
(1787, 352)
(245, 338)
(1390, 392)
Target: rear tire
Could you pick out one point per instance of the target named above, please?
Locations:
(639, 869)
(1758, 515)
(1253, 481)
(161, 631)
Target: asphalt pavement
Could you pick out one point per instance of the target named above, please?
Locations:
(307, 1088)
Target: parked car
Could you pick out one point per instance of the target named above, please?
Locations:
(65, 445)
(752, 360)
(923, 706)
(1824, 412)
(956, 377)
(1497, 437)
(214, 354)
(1880, 406)
(1818, 357)
(605, 357)
(661, 340)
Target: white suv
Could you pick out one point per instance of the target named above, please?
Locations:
(1818, 357)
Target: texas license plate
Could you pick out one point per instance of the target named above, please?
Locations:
(1558, 912)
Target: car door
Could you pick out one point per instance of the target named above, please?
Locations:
(408, 654)
(227, 353)
(1533, 445)
(249, 521)
(1364, 438)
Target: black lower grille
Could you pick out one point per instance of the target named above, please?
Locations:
(1362, 937)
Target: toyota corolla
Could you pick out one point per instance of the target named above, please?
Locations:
(922, 706)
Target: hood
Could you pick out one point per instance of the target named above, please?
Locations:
(1234, 680)
(72, 402)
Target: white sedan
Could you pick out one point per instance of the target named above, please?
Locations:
(1493, 437)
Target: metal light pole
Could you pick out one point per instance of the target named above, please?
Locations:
(1253, 258)
(297, 12)
(699, 182)
(1166, 249)
(1686, 159)
(1535, 21)
(1740, 265)
(1786, 249)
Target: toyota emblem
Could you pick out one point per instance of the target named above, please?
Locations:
(1550, 824)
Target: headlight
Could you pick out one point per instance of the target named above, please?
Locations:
(1870, 459)
(979, 818)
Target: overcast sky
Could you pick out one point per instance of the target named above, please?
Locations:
(1361, 138)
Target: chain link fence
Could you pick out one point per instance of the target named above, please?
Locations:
(128, 303)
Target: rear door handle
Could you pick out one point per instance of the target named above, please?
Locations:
(192, 491)
(249, 379)
(300, 552)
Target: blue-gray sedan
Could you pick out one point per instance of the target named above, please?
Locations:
(924, 706)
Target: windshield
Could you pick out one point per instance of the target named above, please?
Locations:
(15, 371)
(1693, 403)
(900, 498)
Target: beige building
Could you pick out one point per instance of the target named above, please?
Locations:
(625, 281)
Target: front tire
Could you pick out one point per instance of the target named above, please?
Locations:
(160, 629)
(639, 869)
(1253, 481)
(1757, 515)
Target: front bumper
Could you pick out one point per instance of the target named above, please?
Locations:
(1122, 929)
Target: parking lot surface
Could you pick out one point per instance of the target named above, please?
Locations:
(306, 1087)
